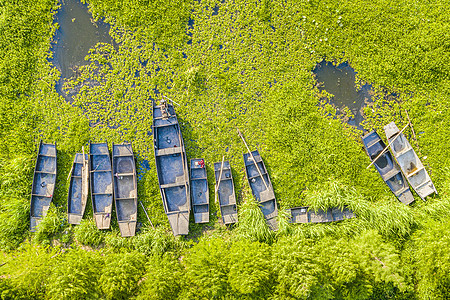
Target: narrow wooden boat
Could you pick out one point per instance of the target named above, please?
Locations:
(101, 184)
(409, 162)
(199, 191)
(225, 191)
(302, 215)
(171, 167)
(78, 189)
(43, 183)
(387, 167)
(125, 188)
(261, 186)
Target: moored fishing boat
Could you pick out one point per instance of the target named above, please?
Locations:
(125, 188)
(387, 167)
(101, 184)
(171, 167)
(199, 191)
(43, 186)
(261, 187)
(225, 192)
(78, 189)
(302, 215)
(409, 162)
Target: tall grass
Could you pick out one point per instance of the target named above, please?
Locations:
(252, 225)
(388, 216)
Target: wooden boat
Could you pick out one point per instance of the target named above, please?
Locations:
(78, 189)
(199, 191)
(43, 183)
(101, 184)
(302, 215)
(387, 167)
(225, 192)
(409, 162)
(171, 167)
(125, 188)
(261, 186)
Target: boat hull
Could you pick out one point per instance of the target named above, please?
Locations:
(125, 188)
(78, 189)
(261, 187)
(43, 186)
(171, 167)
(199, 191)
(387, 167)
(409, 162)
(101, 184)
(302, 215)
(226, 194)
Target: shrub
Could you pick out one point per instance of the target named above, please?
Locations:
(27, 270)
(163, 279)
(50, 225)
(13, 226)
(206, 270)
(250, 268)
(121, 274)
(76, 276)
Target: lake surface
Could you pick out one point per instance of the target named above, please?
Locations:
(340, 81)
(77, 34)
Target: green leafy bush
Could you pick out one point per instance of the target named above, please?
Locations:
(250, 265)
(49, 225)
(26, 271)
(121, 274)
(76, 275)
(13, 215)
(206, 270)
(164, 278)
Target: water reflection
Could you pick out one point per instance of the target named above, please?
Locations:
(77, 34)
(340, 81)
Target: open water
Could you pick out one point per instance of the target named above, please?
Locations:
(340, 81)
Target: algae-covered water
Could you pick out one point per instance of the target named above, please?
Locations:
(77, 33)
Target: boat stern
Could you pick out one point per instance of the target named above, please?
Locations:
(179, 222)
(102, 221)
(74, 219)
(127, 229)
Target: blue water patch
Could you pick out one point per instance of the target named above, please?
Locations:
(143, 167)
